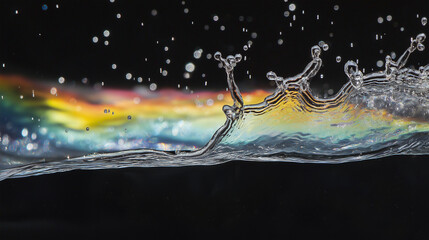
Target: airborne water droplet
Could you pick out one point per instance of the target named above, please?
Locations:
(338, 59)
(325, 47)
(424, 21)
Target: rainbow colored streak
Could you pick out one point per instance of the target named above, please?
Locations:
(116, 119)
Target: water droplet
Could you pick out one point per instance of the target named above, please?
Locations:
(190, 67)
(198, 53)
(153, 86)
(272, 76)
(292, 7)
(325, 47)
(338, 59)
(129, 117)
(61, 80)
(87, 128)
(30, 146)
(24, 132)
(424, 21)
(245, 47)
(44, 7)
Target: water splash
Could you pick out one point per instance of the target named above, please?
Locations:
(373, 115)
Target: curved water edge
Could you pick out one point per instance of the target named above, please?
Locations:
(374, 115)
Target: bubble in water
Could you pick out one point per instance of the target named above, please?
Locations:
(389, 18)
(118, 15)
(424, 21)
(338, 59)
(292, 7)
(380, 20)
(336, 7)
(114, 66)
(44, 7)
(379, 63)
(61, 80)
(106, 33)
(95, 39)
(128, 76)
(53, 91)
(286, 13)
(129, 117)
(245, 47)
(154, 12)
(215, 18)
(87, 128)
(24, 132)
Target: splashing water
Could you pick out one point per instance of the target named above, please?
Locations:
(373, 115)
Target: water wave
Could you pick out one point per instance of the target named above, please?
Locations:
(373, 115)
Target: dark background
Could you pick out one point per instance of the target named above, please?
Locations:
(385, 198)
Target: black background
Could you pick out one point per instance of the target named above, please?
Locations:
(385, 198)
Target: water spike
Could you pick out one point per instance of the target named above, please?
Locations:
(315, 51)
(354, 74)
(302, 79)
(392, 67)
(350, 68)
(218, 56)
(228, 64)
